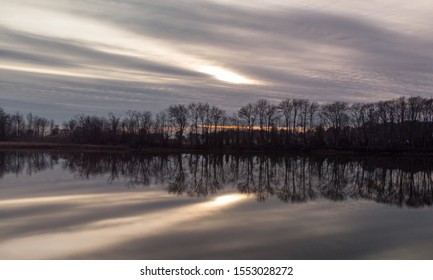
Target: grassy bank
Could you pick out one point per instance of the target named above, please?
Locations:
(69, 147)
(58, 146)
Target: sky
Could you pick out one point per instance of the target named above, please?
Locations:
(60, 58)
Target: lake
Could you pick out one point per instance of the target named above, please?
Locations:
(88, 205)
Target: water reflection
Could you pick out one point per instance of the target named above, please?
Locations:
(104, 231)
(195, 206)
(405, 182)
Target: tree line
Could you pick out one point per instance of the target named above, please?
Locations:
(292, 124)
(406, 182)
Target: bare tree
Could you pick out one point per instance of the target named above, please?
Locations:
(203, 112)
(286, 107)
(335, 116)
(4, 123)
(40, 126)
(132, 122)
(297, 104)
(312, 113)
(145, 122)
(178, 115)
(18, 124)
(162, 126)
(247, 117)
(52, 128)
(216, 117)
(114, 126)
(30, 124)
(304, 106)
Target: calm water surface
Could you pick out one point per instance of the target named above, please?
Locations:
(190, 206)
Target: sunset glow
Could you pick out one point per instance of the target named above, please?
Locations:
(225, 75)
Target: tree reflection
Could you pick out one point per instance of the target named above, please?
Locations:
(25, 162)
(396, 181)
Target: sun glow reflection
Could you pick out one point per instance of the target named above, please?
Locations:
(227, 199)
(102, 232)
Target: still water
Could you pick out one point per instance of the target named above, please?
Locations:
(194, 206)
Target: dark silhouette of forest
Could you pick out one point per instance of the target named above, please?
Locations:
(404, 182)
(403, 124)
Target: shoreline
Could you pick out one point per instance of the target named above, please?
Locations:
(59, 146)
(70, 147)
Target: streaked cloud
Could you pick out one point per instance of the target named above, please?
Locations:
(148, 54)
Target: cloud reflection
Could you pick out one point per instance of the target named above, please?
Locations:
(106, 231)
(335, 209)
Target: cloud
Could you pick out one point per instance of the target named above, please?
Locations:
(112, 55)
(67, 53)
